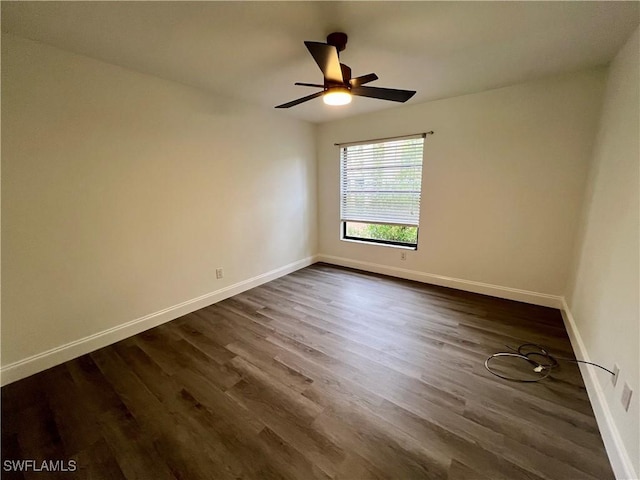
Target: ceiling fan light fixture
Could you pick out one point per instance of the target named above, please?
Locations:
(337, 96)
(339, 85)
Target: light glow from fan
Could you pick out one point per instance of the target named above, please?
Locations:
(337, 96)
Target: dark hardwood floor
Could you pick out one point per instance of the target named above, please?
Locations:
(324, 373)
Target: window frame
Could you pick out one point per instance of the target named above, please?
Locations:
(375, 241)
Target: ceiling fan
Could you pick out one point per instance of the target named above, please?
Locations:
(338, 85)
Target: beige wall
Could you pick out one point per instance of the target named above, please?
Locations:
(603, 294)
(503, 180)
(122, 192)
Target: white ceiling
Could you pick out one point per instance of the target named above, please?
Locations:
(254, 50)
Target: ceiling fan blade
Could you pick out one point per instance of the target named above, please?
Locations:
(326, 56)
(309, 84)
(383, 93)
(300, 100)
(361, 80)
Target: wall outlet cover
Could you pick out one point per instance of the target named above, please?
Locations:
(616, 374)
(626, 396)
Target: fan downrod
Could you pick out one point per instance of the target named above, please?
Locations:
(338, 40)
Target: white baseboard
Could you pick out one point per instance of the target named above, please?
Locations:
(41, 361)
(618, 455)
(525, 296)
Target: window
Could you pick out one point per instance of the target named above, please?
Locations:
(380, 183)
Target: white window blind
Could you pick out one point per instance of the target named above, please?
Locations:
(381, 181)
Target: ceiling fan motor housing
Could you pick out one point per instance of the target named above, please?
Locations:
(338, 40)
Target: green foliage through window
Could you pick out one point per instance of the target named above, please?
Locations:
(389, 233)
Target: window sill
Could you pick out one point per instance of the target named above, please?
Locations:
(378, 244)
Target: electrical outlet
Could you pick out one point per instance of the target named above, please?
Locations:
(403, 255)
(219, 273)
(616, 374)
(626, 396)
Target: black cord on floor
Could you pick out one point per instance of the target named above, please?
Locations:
(541, 361)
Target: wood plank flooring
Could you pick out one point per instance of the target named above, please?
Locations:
(325, 373)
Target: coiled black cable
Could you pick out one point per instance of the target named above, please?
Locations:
(541, 361)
